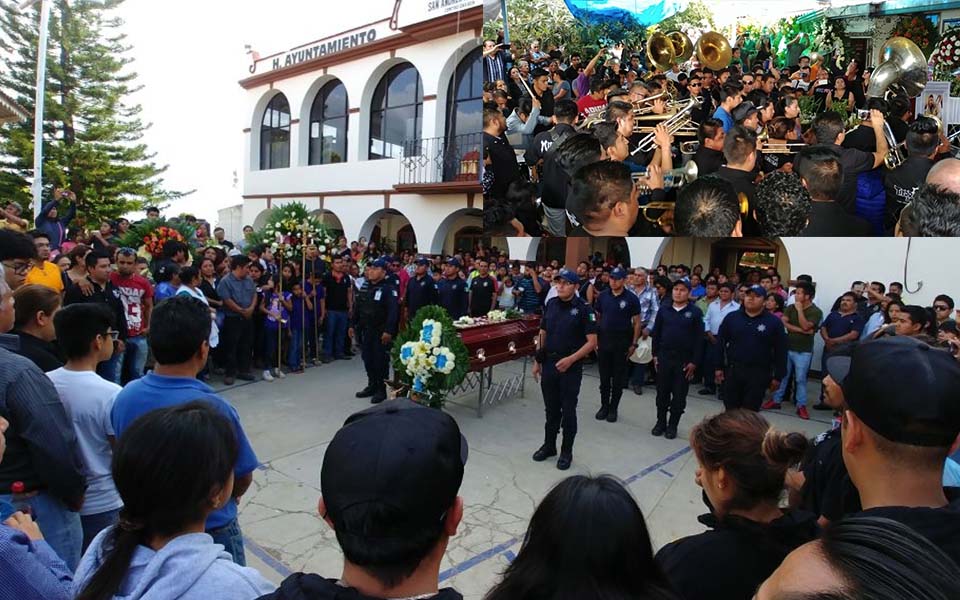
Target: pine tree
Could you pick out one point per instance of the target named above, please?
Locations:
(92, 133)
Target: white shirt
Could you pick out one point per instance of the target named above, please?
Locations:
(552, 293)
(506, 299)
(874, 323)
(88, 400)
(214, 338)
(715, 314)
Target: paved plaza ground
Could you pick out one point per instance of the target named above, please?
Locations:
(290, 421)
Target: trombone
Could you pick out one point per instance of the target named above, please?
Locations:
(678, 124)
(674, 178)
(689, 148)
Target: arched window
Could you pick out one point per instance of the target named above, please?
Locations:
(395, 112)
(275, 134)
(465, 96)
(328, 125)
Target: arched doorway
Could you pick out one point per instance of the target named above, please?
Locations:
(331, 220)
(727, 254)
(391, 230)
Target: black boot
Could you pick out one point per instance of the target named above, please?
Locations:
(604, 410)
(658, 429)
(545, 452)
(671, 432)
(366, 392)
(566, 453)
(379, 394)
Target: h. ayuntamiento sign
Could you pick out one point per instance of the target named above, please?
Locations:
(405, 14)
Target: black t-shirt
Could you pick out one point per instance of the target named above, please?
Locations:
(504, 164)
(734, 556)
(336, 292)
(853, 162)
(901, 185)
(828, 219)
(308, 586)
(861, 138)
(571, 73)
(771, 162)
(743, 184)
(544, 141)
(939, 525)
(482, 291)
(708, 160)
(827, 489)
(899, 128)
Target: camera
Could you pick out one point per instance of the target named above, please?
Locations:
(863, 114)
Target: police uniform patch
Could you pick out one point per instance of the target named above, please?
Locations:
(623, 304)
(486, 284)
(593, 317)
(423, 283)
(376, 296)
(394, 293)
(761, 327)
(574, 311)
(688, 315)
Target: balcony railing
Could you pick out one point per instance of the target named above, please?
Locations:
(441, 160)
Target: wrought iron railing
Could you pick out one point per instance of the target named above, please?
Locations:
(441, 160)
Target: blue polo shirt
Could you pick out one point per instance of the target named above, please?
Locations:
(838, 325)
(725, 118)
(452, 295)
(617, 312)
(153, 391)
(567, 323)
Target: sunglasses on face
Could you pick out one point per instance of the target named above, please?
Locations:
(694, 85)
(941, 307)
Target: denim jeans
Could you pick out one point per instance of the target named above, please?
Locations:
(638, 374)
(798, 364)
(60, 526)
(134, 358)
(231, 538)
(296, 349)
(110, 369)
(335, 333)
(94, 524)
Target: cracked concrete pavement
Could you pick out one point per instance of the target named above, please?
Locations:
(291, 421)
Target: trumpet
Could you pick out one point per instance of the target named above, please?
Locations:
(679, 123)
(674, 178)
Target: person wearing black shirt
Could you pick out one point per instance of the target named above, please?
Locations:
(828, 129)
(903, 428)
(498, 153)
(338, 291)
(903, 182)
(98, 274)
(740, 152)
(899, 120)
(780, 132)
(822, 173)
(709, 156)
(421, 290)
(559, 165)
(753, 353)
(743, 464)
(483, 290)
(619, 329)
(452, 290)
(573, 70)
(677, 351)
(565, 114)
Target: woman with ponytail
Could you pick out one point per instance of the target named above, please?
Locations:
(743, 463)
(172, 468)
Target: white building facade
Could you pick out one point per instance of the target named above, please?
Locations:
(377, 130)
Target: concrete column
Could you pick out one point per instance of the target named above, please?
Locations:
(578, 248)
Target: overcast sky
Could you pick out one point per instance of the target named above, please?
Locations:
(190, 55)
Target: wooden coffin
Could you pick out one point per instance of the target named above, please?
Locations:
(493, 343)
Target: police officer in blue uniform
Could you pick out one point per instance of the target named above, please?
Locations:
(452, 290)
(568, 333)
(676, 353)
(618, 312)
(376, 317)
(391, 276)
(753, 352)
(421, 289)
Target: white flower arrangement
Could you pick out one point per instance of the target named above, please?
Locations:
(424, 357)
(464, 321)
(495, 316)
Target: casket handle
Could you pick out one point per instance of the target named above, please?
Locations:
(482, 355)
(512, 347)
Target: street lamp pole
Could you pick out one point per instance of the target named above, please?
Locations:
(37, 187)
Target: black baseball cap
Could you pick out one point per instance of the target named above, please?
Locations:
(392, 470)
(902, 388)
(684, 282)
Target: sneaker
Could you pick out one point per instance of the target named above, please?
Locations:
(658, 430)
(267, 376)
(280, 373)
(671, 433)
(802, 413)
(563, 463)
(770, 405)
(602, 413)
(247, 377)
(612, 415)
(544, 452)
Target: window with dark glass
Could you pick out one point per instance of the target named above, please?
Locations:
(465, 97)
(275, 134)
(395, 112)
(328, 125)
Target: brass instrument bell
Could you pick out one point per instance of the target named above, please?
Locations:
(682, 46)
(713, 50)
(902, 65)
(660, 51)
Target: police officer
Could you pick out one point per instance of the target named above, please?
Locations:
(753, 347)
(421, 290)
(391, 276)
(619, 327)
(568, 333)
(376, 317)
(483, 290)
(452, 290)
(676, 353)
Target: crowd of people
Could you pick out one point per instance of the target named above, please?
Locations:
(575, 147)
(108, 499)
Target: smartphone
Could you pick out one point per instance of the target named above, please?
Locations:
(863, 114)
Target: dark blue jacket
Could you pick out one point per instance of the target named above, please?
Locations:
(677, 333)
(55, 228)
(453, 296)
(567, 325)
(420, 292)
(759, 341)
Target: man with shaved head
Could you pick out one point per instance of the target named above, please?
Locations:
(935, 210)
(946, 174)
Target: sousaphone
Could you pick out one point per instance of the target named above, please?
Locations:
(713, 50)
(660, 51)
(902, 66)
(682, 46)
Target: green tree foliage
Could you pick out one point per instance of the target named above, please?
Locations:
(93, 134)
(697, 15)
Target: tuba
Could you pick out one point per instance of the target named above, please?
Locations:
(902, 66)
(660, 51)
(682, 46)
(713, 50)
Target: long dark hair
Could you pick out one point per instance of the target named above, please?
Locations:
(587, 539)
(163, 485)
